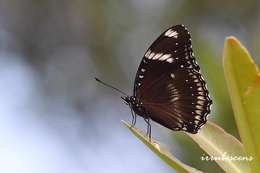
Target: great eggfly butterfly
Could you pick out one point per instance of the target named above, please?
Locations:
(168, 87)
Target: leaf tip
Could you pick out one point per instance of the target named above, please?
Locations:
(234, 50)
(233, 41)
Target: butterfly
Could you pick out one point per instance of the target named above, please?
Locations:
(169, 88)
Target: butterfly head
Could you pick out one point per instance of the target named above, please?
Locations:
(131, 100)
(128, 100)
(135, 104)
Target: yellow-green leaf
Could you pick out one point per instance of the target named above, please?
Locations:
(223, 147)
(162, 152)
(243, 81)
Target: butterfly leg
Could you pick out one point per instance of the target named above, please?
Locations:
(149, 128)
(133, 117)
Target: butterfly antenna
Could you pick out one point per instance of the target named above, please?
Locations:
(110, 86)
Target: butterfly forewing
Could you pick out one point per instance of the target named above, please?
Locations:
(173, 45)
(169, 84)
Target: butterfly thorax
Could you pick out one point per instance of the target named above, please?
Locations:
(136, 105)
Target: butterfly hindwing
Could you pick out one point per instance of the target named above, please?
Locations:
(182, 102)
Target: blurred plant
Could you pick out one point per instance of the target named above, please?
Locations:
(243, 81)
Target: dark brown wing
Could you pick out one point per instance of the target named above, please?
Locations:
(169, 84)
(174, 44)
(178, 101)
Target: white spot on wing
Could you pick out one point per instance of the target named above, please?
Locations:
(171, 33)
(164, 57)
(170, 60)
(199, 107)
(198, 112)
(157, 56)
(174, 34)
(174, 99)
(197, 117)
(200, 102)
(141, 76)
(200, 89)
(172, 75)
(168, 32)
(201, 98)
(147, 53)
(151, 55)
(170, 85)
(142, 70)
(196, 121)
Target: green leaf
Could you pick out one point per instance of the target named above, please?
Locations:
(162, 152)
(216, 142)
(243, 81)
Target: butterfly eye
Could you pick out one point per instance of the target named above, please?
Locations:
(126, 100)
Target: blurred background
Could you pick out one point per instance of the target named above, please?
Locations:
(55, 118)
